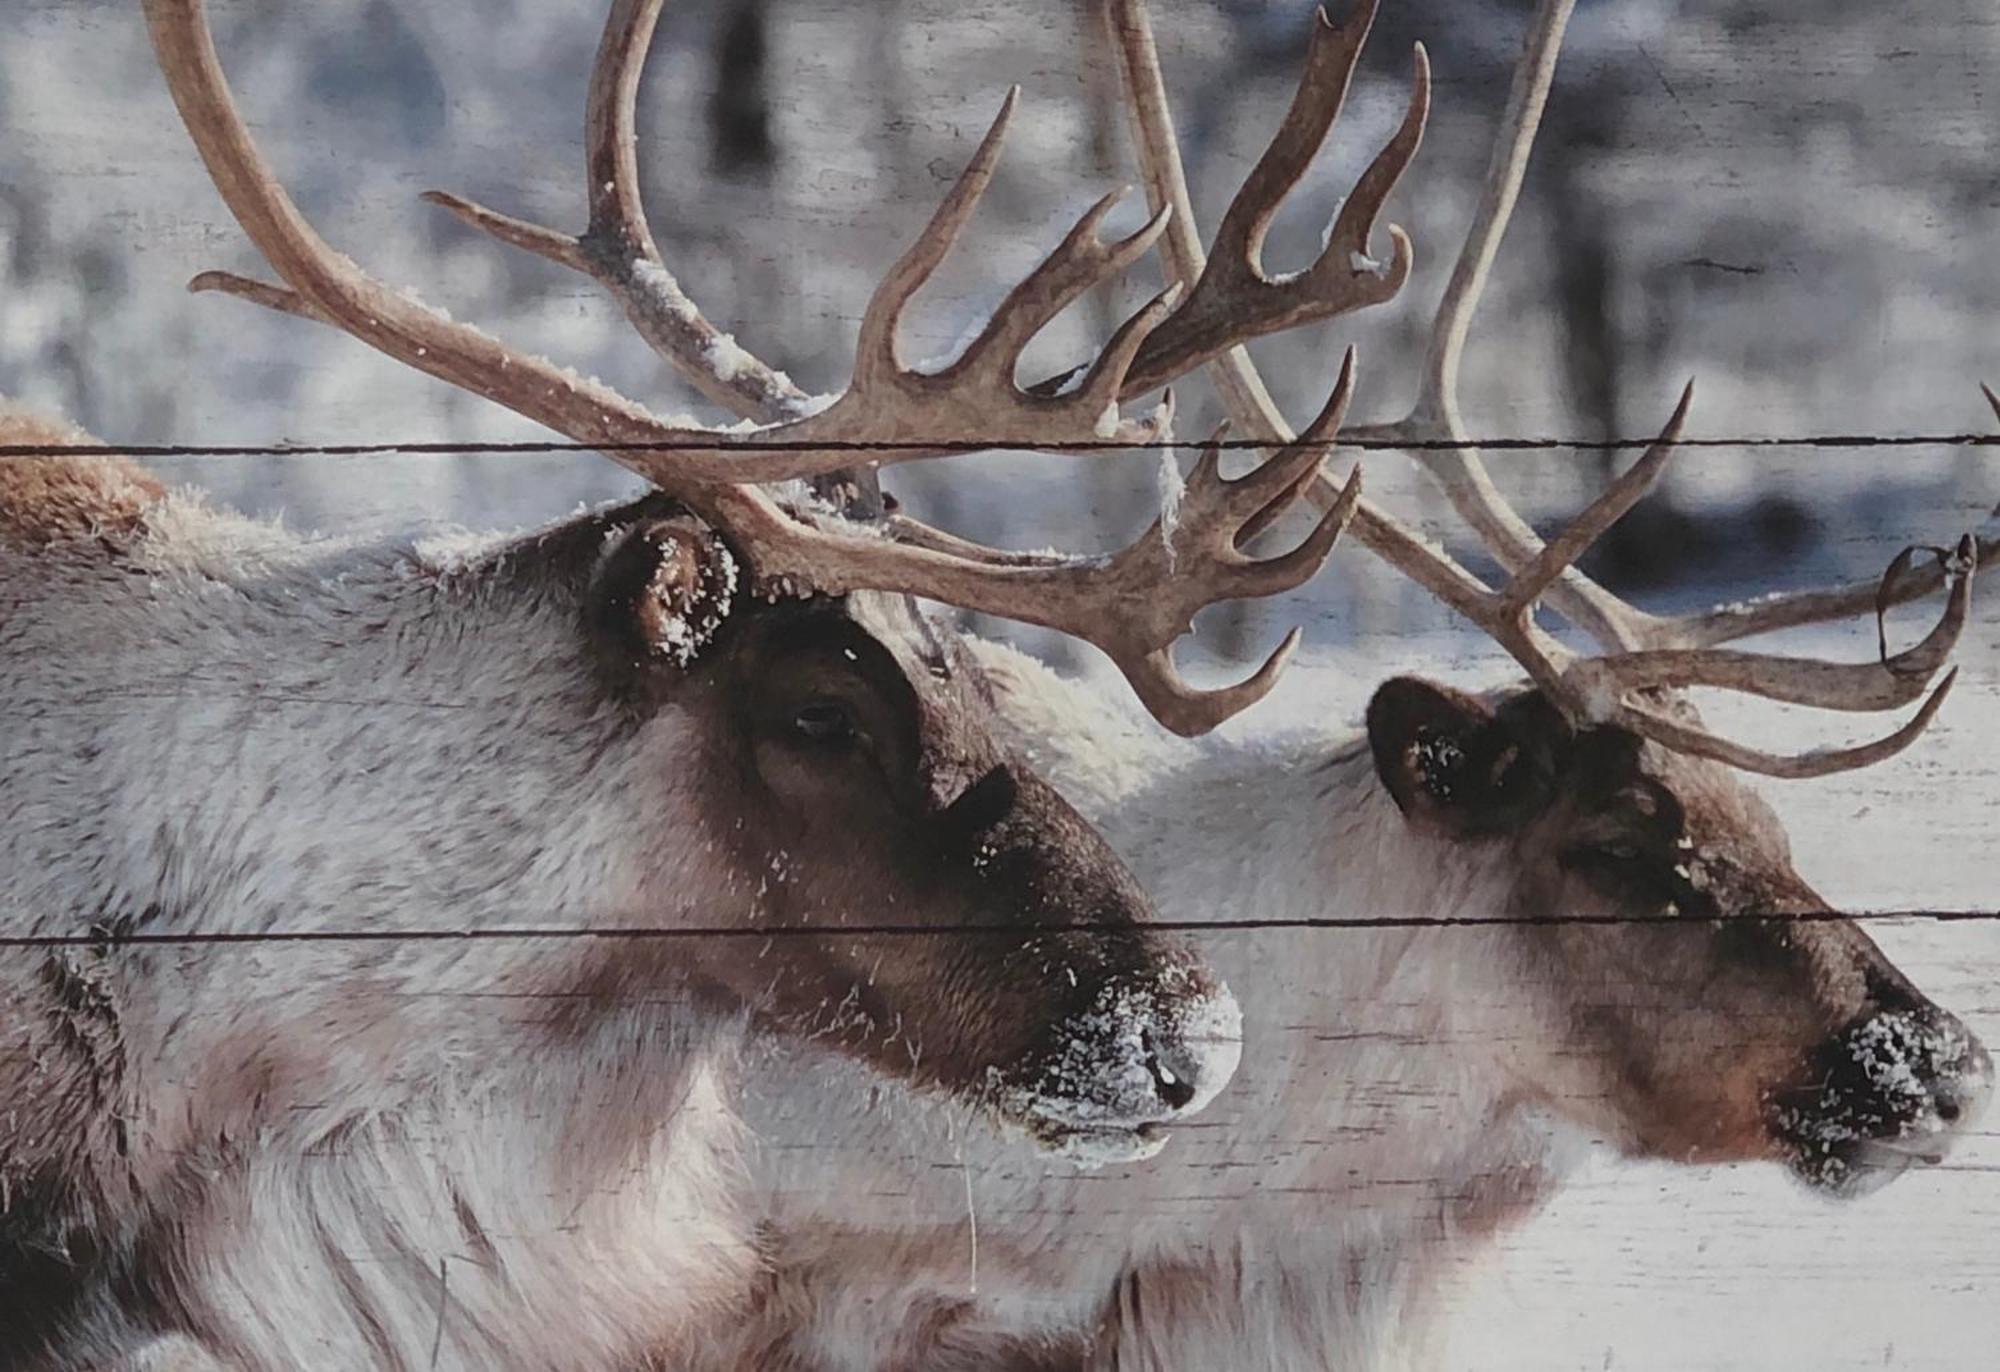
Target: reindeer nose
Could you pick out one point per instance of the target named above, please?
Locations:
(1913, 1072)
(1193, 1057)
(1962, 1088)
(1175, 1088)
(1139, 1058)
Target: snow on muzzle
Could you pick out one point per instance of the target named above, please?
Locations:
(1892, 1091)
(1138, 1057)
(1097, 1028)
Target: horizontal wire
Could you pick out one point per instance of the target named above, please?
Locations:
(723, 444)
(104, 939)
(108, 939)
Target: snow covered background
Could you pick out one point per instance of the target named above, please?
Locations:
(1797, 205)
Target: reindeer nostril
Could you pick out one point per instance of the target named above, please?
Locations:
(1174, 1089)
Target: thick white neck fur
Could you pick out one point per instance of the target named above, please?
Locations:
(1367, 1112)
(208, 741)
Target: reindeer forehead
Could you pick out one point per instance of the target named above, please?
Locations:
(957, 745)
(1719, 822)
(1617, 776)
(907, 636)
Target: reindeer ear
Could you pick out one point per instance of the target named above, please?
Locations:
(1458, 767)
(662, 592)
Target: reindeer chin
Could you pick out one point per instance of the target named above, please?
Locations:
(1075, 1133)
(1861, 1167)
(1094, 1148)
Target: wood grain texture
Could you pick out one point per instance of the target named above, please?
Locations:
(1797, 208)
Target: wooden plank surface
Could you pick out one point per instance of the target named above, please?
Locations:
(1799, 208)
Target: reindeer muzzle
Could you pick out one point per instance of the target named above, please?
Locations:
(1116, 1074)
(1892, 1091)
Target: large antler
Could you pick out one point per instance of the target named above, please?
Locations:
(1643, 651)
(1132, 605)
(1234, 301)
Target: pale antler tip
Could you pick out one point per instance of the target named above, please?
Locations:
(1678, 420)
(1009, 103)
(1334, 412)
(1350, 493)
(1281, 656)
(1198, 712)
(1921, 720)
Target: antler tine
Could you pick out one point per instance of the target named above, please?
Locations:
(1094, 598)
(1529, 584)
(618, 249)
(1331, 54)
(1818, 762)
(1135, 604)
(875, 350)
(1231, 299)
(1594, 690)
(617, 209)
(1078, 263)
(1143, 606)
(1434, 416)
(1891, 681)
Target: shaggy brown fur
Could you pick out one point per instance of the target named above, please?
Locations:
(48, 499)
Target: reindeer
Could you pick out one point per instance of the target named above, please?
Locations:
(387, 918)
(1561, 917)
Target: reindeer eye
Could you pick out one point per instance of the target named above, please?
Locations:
(1619, 852)
(825, 722)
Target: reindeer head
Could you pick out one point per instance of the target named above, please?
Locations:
(991, 943)
(922, 899)
(1696, 999)
(1597, 797)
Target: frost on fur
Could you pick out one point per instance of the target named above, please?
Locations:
(688, 597)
